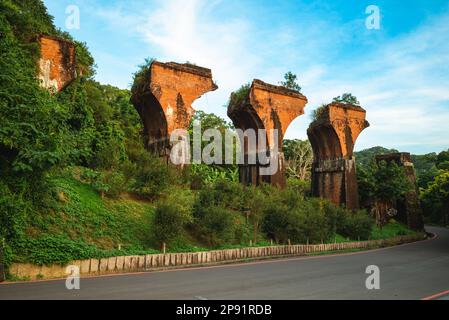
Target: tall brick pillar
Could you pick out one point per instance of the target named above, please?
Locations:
(409, 208)
(266, 107)
(57, 64)
(165, 101)
(333, 137)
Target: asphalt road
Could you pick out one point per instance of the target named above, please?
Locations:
(412, 271)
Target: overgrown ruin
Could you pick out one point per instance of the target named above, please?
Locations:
(164, 100)
(57, 64)
(409, 209)
(333, 135)
(266, 107)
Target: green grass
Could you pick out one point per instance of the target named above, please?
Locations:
(80, 225)
(393, 229)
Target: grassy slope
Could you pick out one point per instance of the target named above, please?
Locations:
(83, 225)
(103, 222)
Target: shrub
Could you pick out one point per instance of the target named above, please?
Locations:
(301, 187)
(315, 226)
(151, 176)
(201, 175)
(356, 225)
(279, 222)
(168, 223)
(48, 249)
(222, 193)
(239, 96)
(219, 226)
(306, 220)
(319, 112)
(216, 212)
(12, 220)
(111, 183)
(172, 215)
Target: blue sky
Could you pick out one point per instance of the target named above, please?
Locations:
(400, 73)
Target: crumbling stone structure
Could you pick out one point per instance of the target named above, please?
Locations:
(333, 136)
(165, 101)
(57, 64)
(266, 107)
(409, 209)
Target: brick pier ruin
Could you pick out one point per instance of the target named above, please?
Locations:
(164, 102)
(333, 136)
(266, 107)
(57, 64)
(409, 209)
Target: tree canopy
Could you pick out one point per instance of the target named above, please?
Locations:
(290, 81)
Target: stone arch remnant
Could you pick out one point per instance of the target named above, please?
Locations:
(266, 107)
(164, 100)
(333, 135)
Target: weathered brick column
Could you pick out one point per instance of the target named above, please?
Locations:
(409, 208)
(165, 101)
(266, 107)
(57, 64)
(333, 137)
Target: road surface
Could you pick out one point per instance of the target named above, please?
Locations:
(412, 271)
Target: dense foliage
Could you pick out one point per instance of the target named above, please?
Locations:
(431, 171)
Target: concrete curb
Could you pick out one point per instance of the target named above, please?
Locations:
(155, 262)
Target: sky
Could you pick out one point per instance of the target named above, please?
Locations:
(399, 72)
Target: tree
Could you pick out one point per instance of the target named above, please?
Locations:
(435, 198)
(299, 158)
(290, 81)
(442, 161)
(381, 185)
(347, 98)
(319, 112)
(256, 200)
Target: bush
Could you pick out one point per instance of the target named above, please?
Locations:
(12, 219)
(111, 183)
(201, 175)
(151, 176)
(172, 215)
(239, 96)
(222, 193)
(216, 212)
(317, 221)
(280, 223)
(220, 226)
(307, 220)
(301, 187)
(356, 226)
(49, 249)
(289, 216)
